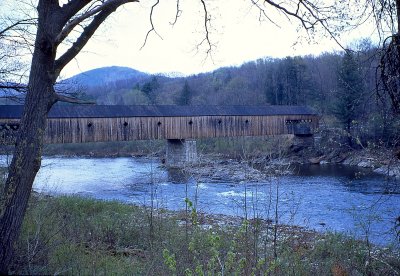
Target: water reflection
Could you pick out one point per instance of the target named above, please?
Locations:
(348, 172)
(354, 179)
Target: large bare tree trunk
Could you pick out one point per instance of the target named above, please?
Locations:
(27, 154)
(55, 23)
(24, 166)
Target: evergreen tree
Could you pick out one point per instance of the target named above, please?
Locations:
(349, 92)
(150, 88)
(184, 98)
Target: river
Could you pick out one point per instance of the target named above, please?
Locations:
(323, 197)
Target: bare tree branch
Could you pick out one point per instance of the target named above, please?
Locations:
(14, 45)
(206, 39)
(262, 13)
(152, 25)
(14, 86)
(305, 12)
(390, 72)
(87, 33)
(77, 20)
(72, 7)
(29, 21)
(398, 14)
(177, 14)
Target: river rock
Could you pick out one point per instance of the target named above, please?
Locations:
(390, 171)
(365, 164)
(347, 161)
(224, 171)
(316, 160)
(351, 161)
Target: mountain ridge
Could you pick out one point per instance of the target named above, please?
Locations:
(104, 75)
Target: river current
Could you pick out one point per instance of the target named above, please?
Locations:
(324, 197)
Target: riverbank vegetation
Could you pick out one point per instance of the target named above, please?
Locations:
(75, 236)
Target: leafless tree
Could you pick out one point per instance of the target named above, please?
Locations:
(385, 14)
(54, 24)
(15, 45)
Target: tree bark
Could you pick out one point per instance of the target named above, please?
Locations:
(28, 148)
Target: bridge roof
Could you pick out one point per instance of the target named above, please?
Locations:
(113, 111)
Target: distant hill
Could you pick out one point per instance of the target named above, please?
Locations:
(106, 75)
(10, 95)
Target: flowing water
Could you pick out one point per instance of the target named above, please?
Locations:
(323, 197)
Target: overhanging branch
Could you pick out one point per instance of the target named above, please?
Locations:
(87, 33)
(73, 7)
(153, 29)
(308, 14)
(177, 13)
(207, 20)
(16, 87)
(76, 21)
(29, 21)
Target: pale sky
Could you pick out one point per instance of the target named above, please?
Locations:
(238, 35)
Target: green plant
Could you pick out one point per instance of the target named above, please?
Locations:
(169, 260)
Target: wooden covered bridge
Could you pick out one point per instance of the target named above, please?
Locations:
(102, 123)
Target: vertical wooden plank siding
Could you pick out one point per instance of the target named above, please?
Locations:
(81, 130)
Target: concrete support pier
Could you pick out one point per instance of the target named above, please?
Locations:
(303, 136)
(181, 152)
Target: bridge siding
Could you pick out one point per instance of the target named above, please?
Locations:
(77, 130)
(69, 124)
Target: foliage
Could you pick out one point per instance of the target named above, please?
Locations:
(339, 86)
(350, 91)
(150, 88)
(72, 235)
(185, 95)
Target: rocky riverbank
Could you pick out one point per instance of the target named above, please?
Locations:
(382, 161)
(332, 147)
(213, 168)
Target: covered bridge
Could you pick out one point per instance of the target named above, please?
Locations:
(101, 123)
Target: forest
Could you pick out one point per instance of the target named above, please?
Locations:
(342, 87)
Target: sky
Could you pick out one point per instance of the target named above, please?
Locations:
(235, 30)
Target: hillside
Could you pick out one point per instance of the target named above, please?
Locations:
(106, 75)
(96, 82)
